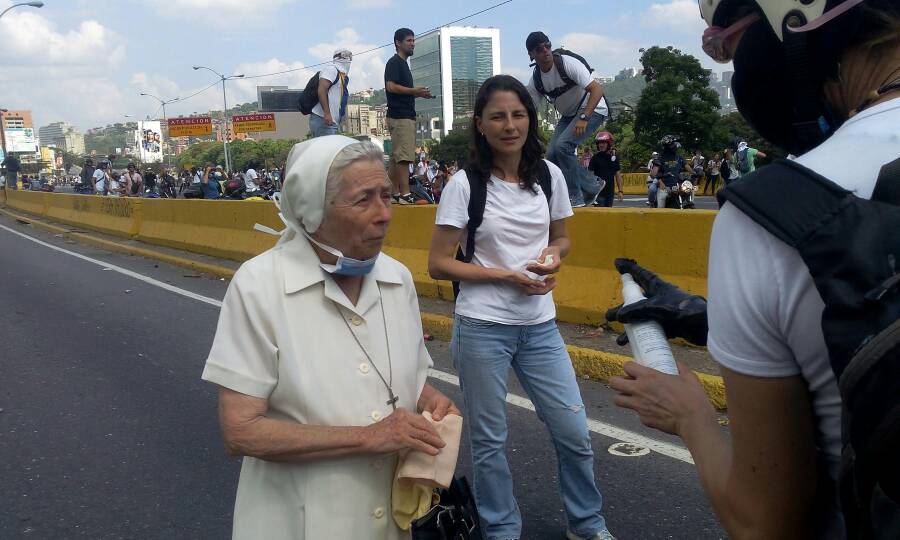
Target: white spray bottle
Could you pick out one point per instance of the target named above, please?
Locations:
(647, 339)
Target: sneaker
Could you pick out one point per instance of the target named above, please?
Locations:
(602, 535)
(395, 198)
(578, 205)
(407, 199)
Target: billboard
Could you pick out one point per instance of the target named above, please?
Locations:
(190, 127)
(20, 140)
(149, 137)
(247, 123)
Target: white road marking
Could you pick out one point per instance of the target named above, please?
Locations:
(119, 269)
(596, 426)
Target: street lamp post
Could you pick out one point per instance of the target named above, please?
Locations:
(29, 4)
(2, 133)
(224, 110)
(163, 102)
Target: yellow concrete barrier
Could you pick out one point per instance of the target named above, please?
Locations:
(634, 183)
(118, 216)
(674, 243)
(29, 201)
(217, 228)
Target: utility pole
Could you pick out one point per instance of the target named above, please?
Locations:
(224, 111)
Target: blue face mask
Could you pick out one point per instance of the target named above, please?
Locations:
(345, 265)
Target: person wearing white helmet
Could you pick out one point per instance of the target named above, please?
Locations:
(820, 78)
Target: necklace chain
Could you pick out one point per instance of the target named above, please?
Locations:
(390, 380)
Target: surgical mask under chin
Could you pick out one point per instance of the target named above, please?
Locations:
(345, 266)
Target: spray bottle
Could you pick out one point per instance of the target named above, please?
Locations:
(647, 339)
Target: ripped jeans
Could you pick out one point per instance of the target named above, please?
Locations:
(482, 353)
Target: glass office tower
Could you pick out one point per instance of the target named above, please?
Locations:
(453, 62)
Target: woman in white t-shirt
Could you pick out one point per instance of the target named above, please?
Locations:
(505, 316)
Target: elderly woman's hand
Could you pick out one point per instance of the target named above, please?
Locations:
(436, 403)
(403, 430)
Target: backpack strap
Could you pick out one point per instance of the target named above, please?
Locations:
(477, 202)
(814, 200)
(887, 188)
(545, 180)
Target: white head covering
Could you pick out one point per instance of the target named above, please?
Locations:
(302, 199)
(742, 146)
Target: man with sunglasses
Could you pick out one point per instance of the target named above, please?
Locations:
(565, 81)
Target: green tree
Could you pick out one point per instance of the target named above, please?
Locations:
(453, 147)
(734, 129)
(677, 100)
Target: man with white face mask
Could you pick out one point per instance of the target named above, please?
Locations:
(333, 94)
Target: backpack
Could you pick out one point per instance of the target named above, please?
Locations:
(309, 98)
(852, 248)
(477, 201)
(743, 161)
(560, 68)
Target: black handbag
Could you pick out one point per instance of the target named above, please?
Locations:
(453, 517)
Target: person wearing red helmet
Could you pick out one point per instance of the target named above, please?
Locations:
(801, 282)
(605, 165)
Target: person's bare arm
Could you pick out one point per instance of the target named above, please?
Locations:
(619, 185)
(762, 482)
(417, 91)
(247, 431)
(442, 264)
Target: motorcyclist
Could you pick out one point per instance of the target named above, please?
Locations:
(667, 169)
(820, 78)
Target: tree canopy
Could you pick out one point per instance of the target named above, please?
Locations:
(266, 153)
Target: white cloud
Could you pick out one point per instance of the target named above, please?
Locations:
(31, 40)
(369, 4)
(606, 55)
(221, 13)
(367, 71)
(678, 15)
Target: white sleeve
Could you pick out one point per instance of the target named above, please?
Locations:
(577, 72)
(535, 95)
(453, 209)
(329, 73)
(747, 291)
(560, 207)
(243, 357)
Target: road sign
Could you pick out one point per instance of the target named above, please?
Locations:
(247, 123)
(190, 127)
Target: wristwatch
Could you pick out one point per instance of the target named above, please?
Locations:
(582, 116)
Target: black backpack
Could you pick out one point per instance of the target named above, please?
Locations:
(309, 98)
(561, 69)
(852, 248)
(477, 201)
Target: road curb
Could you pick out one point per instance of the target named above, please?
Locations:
(213, 269)
(598, 365)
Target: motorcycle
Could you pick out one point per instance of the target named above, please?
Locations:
(681, 195)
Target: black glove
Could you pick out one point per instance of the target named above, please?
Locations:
(680, 314)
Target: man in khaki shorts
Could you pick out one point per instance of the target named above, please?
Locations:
(401, 113)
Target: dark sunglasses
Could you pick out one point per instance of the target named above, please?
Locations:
(541, 48)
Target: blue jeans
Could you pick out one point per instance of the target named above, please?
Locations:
(318, 128)
(482, 353)
(652, 190)
(583, 186)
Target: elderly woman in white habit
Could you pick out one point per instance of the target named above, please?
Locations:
(320, 358)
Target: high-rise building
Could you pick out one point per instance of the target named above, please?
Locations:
(62, 135)
(726, 77)
(452, 62)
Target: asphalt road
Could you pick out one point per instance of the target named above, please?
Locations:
(107, 431)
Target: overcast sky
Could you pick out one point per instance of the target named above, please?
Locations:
(87, 61)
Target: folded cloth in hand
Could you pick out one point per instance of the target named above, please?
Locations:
(419, 473)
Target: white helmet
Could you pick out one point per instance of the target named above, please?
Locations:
(776, 11)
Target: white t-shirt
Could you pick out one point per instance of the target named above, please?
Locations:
(516, 228)
(330, 74)
(249, 178)
(100, 180)
(573, 101)
(764, 309)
